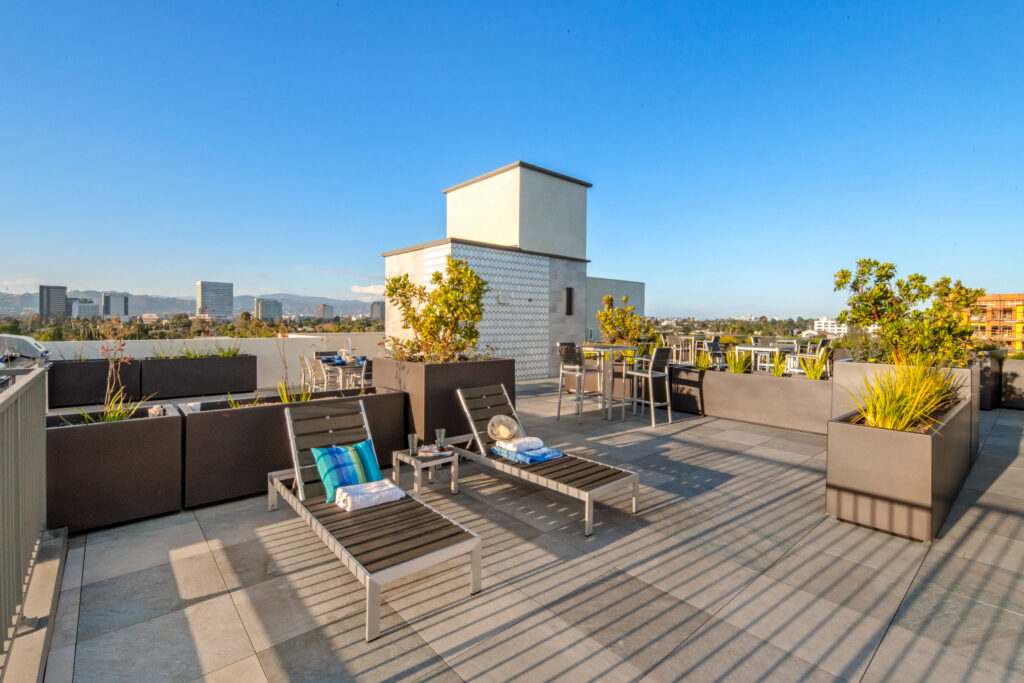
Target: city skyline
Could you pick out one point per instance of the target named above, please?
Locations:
(759, 148)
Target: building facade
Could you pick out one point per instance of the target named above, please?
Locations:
(829, 326)
(114, 303)
(377, 310)
(53, 302)
(215, 300)
(84, 309)
(1001, 320)
(325, 312)
(523, 229)
(267, 310)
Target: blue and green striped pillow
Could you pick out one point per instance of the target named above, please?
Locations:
(346, 465)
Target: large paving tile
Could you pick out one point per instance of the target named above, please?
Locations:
(248, 563)
(140, 546)
(968, 628)
(634, 620)
(60, 665)
(540, 647)
(65, 627)
(338, 651)
(547, 569)
(243, 520)
(868, 547)
(720, 651)
(837, 639)
(248, 670)
(73, 565)
(128, 599)
(978, 581)
(907, 656)
(993, 549)
(180, 646)
(865, 589)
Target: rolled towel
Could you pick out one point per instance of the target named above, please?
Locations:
(521, 445)
(358, 496)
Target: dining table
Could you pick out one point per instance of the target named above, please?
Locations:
(761, 354)
(346, 370)
(606, 368)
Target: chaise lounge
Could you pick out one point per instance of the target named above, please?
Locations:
(379, 544)
(571, 475)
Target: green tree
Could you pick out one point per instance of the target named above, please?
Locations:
(443, 316)
(914, 318)
(623, 325)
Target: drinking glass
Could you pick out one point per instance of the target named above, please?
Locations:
(439, 434)
(414, 441)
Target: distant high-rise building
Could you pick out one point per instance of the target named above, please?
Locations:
(215, 300)
(830, 326)
(53, 302)
(325, 311)
(268, 310)
(114, 303)
(377, 310)
(84, 308)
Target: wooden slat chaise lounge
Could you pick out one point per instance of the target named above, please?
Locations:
(572, 475)
(379, 544)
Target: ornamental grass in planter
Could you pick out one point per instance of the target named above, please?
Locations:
(898, 461)
(441, 354)
(198, 373)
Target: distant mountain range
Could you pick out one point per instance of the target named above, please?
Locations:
(292, 304)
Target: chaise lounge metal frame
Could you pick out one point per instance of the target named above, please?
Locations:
(379, 544)
(580, 478)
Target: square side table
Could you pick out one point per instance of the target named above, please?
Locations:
(424, 463)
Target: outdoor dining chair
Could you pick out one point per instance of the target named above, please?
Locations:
(644, 374)
(572, 364)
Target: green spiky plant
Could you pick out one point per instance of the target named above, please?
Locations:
(286, 395)
(907, 397)
(702, 361)
(778, 366)
(815, 368)
(738, 362)
(195, 353)
(229, 351)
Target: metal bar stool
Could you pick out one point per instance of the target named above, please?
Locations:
(647, 370)
(572, 364)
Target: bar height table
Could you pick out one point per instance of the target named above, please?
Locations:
(607, 371)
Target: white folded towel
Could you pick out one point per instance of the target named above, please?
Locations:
(358, 496)
(520, 445)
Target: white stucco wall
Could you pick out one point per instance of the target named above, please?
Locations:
(598, 287)
(552, 215)
(487, 210)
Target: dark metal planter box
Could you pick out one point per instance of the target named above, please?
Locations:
(430, 387)
(850, 377)
(991, 380)
(229, 451)
(786, 402)
(1012, 382)
(686, 384)
(900, 482)
(112, 472)
(84, 382)
(179, 377)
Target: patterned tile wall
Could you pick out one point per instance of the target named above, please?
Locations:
(515, 318)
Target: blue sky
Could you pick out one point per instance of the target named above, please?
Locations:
(740, 153)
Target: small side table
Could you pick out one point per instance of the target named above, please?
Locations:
(424, 463)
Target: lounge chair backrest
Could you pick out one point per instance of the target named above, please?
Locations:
(480, 405)
(322, 425)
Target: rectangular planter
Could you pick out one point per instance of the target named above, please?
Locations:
(229, 451)
(164, 378)
(432, 401)
(686, 383)
(1012, 384)
(849, 377)
(991, 380)
(900, 482)
(84, 382)
(112, 472)
(787, 402)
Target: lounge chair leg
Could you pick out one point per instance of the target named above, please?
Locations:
(636, 495)
(372, 610)
(579, 399)
(650, 393)
(668, 397)
(561, 381)
(474, 569)
(271, 495)
(419, 480)
(455, 475)
(588, 516)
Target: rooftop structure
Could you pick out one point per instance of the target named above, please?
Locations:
(523, 229)
(114, 304)
(830, 326)
(52, 302)
(1001, 320)
(267, 310)
(325, 312)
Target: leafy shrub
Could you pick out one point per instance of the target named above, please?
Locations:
(1016, 356)
(914, 318)
(443, 316)
(623, 325)
(907, 397)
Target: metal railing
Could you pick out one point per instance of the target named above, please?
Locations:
(22, 488)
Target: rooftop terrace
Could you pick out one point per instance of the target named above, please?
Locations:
(731, 570)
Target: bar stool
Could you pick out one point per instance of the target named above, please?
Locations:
(656, 368)
(572, 364)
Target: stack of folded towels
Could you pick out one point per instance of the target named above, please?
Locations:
(357, 496)
(527, 449)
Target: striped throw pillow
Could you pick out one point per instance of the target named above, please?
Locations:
(346, 465)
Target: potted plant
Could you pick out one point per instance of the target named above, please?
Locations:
(112, 465)
(198, 373)
(84, 381)
(231, 445)
(897, 462)
(441, 355)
